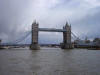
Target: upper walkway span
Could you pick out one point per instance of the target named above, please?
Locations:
(52, 30)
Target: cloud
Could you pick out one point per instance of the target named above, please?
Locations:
(89, 24)
(16, 17)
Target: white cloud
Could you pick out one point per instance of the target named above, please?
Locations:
(93, 3)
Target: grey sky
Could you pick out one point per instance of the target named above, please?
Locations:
(16, 17)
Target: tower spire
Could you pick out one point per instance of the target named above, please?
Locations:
(66, 22)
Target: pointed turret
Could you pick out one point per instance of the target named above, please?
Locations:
(34, 44)
(67, 37)
(67, 24)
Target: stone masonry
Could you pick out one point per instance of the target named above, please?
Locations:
(34, 44)
(67, 37)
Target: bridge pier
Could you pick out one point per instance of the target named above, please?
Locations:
(67, 37)
(34, 45)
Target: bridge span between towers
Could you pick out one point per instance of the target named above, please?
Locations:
(51, 30)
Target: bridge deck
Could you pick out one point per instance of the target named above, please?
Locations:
(52, 30)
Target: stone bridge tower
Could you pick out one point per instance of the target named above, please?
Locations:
(34, 44)
(67, 37)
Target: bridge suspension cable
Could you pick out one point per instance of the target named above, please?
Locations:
(75, 36)
(20, 39)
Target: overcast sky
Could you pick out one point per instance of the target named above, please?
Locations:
(16, 17)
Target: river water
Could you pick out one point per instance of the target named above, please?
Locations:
(49, 61)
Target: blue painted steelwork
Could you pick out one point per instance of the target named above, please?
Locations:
(51, 30)
(16, 42)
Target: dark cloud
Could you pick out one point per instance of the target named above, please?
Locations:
(89, 24)
(16, 17)
(13, 14)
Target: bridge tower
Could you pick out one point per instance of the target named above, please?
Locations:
(67, 37)
(34, 45)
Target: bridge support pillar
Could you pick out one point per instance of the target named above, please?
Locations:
(67, 38)
(34, 45)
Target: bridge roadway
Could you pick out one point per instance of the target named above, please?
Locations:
(51, 30)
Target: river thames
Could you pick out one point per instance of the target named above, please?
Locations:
(49, 61)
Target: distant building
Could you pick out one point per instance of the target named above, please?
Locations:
(97, 41)
(87, 40)
(87, 43)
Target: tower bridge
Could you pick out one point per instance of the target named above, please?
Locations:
(66, 44)
(66, 30)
